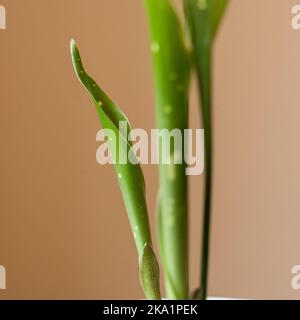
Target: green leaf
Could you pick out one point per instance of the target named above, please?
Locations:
(204, 18)
(130, 176)
(171, 65)
(149, 273)
(218, 11)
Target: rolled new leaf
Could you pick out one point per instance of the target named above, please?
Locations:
(148, 272)
(130, 176)
(171, 78)
(204, 18)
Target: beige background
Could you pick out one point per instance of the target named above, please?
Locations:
(63, 229)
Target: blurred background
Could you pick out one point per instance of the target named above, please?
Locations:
(64, 232)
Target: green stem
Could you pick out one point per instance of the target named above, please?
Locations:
(171, 78)
(199, 19)
(204, 75)
(204, 18)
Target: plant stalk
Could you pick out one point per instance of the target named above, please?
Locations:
(171, 78)
(204, 76)
(204, 18)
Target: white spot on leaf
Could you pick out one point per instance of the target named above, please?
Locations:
(171, 202)
(167, 109)
(171, 172)
(155, 47)
(202, 4)
(171, 220)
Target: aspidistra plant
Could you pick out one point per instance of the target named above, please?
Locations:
(172, 63)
